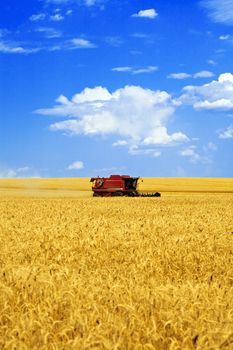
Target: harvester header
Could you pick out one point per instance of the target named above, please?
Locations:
(116, 186)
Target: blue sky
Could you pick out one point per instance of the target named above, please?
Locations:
(94, 87)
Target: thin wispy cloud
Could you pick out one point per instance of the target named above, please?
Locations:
(227, 38)
(191, 153)
(182, 75)
(79, 43)
(137, 151)
(114, 41)
(179, 76)
(87, 3)
(212, 62)
(226, 133)
(141, 36)
(220, 11)
(132, 70)
(21, 172)
(203, 74)
(69, 12)
(9, 47)
(49, 32)
(78, 165)
(150, 13)
(194, 156)
(37, 17)
(57, 17)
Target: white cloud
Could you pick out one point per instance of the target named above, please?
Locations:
(179, 76)
(191, 153)
(76, 166)
(7, 47)
(148, 69)
(122, 69)
(114, 41)
(23, 169)
(216, 95)
(69, 12)
(116, 170)
(160, 136)
(182, 75)
(150, 13)
(203, 74)
(49, 32)
(194, 157)
(136, 151)
(37, 17)
(22, 172)
(138, 116)
(141, 36)
(79, 43)
(225, 37)
(57, 17)
(219, 10)
(211, 146)
(120, 143)
(211, 62)
(87, 3)
(7, 173)
(14, 48)
(227, 133)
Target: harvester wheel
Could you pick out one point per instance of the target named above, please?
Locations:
(130, 194)
(117, 194)
(99, 183)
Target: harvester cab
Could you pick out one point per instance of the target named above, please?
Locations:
(117, 185)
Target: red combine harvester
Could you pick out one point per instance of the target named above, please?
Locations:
(118, 185)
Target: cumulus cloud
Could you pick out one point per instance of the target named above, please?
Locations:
(226, 133)
(216, 95)
(78, 165)
(220, 11)
(150, 13)
(182, 75)
(138, 116)
(148, 69)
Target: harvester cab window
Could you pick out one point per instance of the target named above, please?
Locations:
(130, 184)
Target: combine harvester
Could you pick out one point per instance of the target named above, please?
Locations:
(118, 185)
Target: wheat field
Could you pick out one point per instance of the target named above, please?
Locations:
(116, 273)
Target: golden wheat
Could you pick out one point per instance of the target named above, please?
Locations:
(116, 273)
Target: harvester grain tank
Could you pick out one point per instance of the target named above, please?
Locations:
(118, 185)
